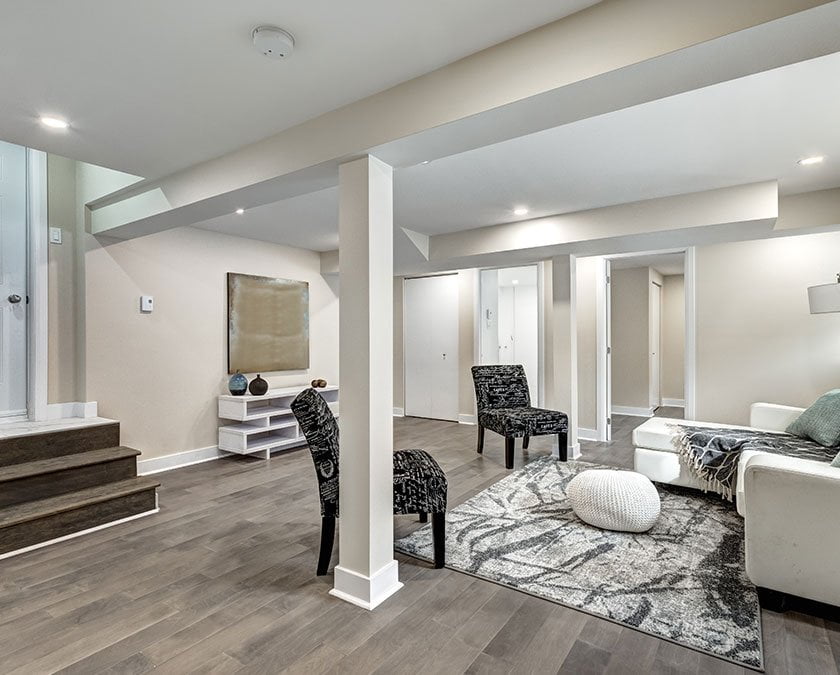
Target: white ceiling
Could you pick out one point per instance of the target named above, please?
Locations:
(666, 264)
(746, 130)
(154, 86)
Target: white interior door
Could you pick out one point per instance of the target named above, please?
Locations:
(431, 347)
(13, 292)
(655, 345)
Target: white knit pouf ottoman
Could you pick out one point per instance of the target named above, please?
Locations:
(625, 501)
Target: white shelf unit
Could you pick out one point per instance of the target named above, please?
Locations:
(265, 423)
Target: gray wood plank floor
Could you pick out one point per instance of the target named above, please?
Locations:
(222, 581)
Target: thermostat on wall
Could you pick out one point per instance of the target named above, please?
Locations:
(147, 303)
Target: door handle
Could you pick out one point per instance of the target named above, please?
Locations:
(14, 298)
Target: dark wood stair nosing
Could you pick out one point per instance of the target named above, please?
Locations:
(61, 463)
(35, 510)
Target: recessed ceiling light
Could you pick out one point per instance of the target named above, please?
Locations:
(818, 159)
(520, 211)
(515, 282)
(54, 123)
(239, 212)
(425, 161)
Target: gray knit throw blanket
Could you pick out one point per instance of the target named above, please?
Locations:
(713, 453)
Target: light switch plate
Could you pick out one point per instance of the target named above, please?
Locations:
(147, 303)
(55, 235)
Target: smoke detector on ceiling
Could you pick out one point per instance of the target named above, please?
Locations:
(273, 42)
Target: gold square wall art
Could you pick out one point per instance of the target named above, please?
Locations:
(268, 324)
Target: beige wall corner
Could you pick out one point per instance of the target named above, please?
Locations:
(399, 355)
(673, 337)
(630, 335)
(160, 373)
(756, 340)
(62, 381)
(587, 269)
(467, 295)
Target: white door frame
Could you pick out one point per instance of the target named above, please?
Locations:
(603, 365)
(38, 283)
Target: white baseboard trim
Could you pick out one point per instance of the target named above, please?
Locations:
(588, 434)
(73, 535)
(399, 412)
(674, 402)
(632, 411)
(178, 460)
(466, 419)
(85, 409)
(363, 591)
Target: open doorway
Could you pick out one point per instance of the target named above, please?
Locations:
(646, 313)
(510, 320)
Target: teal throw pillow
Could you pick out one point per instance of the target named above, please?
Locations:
(820, 422)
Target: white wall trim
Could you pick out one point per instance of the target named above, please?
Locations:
(73, 535)
(38, 310)
(399, 412)
(632, 411)
(60, 411)
(178, 460)
(366, 592)
(466, 419)
(673, 402)
(588, 434)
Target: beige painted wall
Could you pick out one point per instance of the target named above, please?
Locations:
(587, 269)
(160, 373)
(673, 336)
(62, 375)
(629, 325)
(467, 292)
(756, 340)
(399, 357)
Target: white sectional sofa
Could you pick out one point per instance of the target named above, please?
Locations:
(656, 455)
(789, 505)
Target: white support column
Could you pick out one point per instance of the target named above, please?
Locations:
(564, 340)
(367, 572)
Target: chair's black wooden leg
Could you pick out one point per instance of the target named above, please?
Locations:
(563, 445)
(327, 538)
(439, 538)
(480, 448)
(509, 445)
(424, 517)
(525, 442)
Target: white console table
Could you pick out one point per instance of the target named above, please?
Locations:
(265, 423)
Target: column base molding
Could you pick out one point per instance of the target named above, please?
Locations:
(366, 592)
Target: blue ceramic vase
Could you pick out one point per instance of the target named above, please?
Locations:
(238, 384)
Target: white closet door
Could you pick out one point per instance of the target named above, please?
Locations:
(431, 347)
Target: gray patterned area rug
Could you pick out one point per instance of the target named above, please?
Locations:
(682, 581)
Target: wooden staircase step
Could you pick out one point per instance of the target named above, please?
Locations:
(66, 473)
(35, 522)
(33, 447)
(64, 462)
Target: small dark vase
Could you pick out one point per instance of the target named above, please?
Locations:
(238, 384)
(258, 386)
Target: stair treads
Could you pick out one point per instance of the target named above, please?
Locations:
(64, 462)
(48, 444)
(21, 513)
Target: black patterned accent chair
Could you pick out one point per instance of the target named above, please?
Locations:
(504, 406)
(419, 482)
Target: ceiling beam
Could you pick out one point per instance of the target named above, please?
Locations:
(563, 69)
